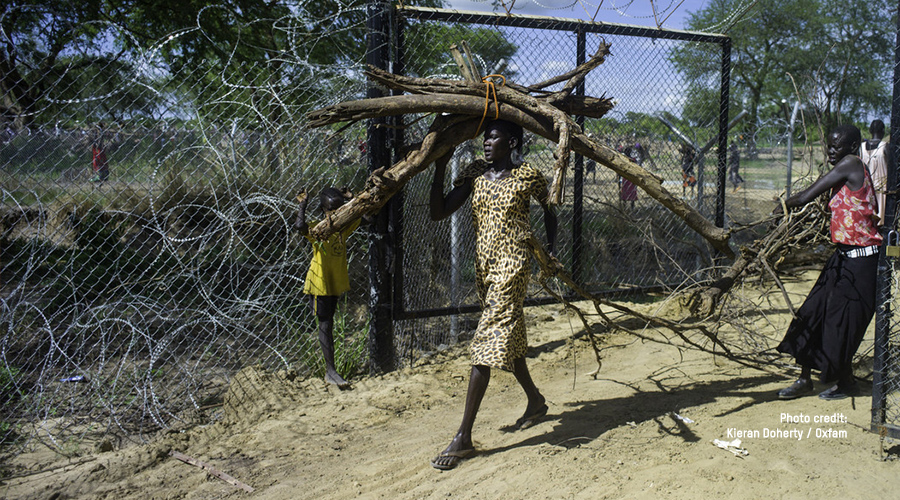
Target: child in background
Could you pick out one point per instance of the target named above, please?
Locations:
(327, 277)
(99, 163)
(627, 189)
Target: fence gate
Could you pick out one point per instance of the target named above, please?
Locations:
(613, 247)
(886, 369)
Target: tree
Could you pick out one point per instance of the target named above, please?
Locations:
(265, 56)
(855, 61)
(827, 49)
(47, 49)
(765, 45)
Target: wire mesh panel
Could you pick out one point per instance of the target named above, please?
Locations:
(149, 197)
(147, 205)
(886, 365)
(627, 240)
(886, 392)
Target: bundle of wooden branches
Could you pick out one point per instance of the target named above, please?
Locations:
(459, 107)
(698, 329)
(802, 228)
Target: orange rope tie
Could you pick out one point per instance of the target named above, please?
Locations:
(490, 88)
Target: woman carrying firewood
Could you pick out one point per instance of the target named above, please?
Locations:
(501, 187)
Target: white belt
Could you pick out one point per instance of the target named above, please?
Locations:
(861, 252)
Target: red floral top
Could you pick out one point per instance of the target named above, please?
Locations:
(853, 216)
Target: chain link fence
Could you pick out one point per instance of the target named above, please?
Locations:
(615, 239)
(885, 392)
(146, 237)
(886, 358)
(145, 231)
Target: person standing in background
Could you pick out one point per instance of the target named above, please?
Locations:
(99, 163)
(875, 154)
(734, 164)
(687, 169)
(627, 189)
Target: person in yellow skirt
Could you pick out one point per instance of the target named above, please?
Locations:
(328, 276)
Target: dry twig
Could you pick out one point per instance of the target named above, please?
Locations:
(211, 470)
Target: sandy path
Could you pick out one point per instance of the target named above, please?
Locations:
(613, 437)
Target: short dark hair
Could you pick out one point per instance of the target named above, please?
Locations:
(508, 127)
(850, 132)
(330, 194)
(876, 127)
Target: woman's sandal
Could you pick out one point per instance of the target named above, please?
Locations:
(452, 458)
(527, 421)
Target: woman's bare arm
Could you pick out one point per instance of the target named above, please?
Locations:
(442, 206)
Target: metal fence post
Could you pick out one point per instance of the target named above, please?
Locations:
(397, 202)
(578, 188)
(723, 133)
(381, 333)
(790, 149)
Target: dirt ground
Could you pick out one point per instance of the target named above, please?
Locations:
(644, 428)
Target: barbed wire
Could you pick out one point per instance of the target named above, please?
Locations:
(129, 301)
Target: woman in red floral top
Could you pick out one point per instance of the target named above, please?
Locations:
(832, 321)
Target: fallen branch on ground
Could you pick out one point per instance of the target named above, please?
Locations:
(211, 470)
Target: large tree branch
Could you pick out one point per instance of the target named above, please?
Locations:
(798, 226)
(443, 135)
(467, 98)
(577, 75)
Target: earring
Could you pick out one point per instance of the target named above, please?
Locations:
(516, 157)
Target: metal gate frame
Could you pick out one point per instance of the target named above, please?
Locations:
(885, 362)
(386, 238)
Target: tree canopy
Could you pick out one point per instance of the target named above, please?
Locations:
(834, 56)
(228, 56)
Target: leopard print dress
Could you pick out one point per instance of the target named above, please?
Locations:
(500, 213)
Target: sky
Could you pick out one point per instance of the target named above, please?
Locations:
(652, 86)
(634, 12)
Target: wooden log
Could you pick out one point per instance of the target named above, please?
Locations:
(525, 111)
(468, 72)
(445, 133)
(704, 301)
(411, 104)
(652, 185)
(539, 115)
(576, 76)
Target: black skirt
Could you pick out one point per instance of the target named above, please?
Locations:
(832, 321)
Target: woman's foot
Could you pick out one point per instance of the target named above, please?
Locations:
(447, 460)
(335, 379)
(843, 390)
(535, 410)
(458, 450)
(800, 387)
